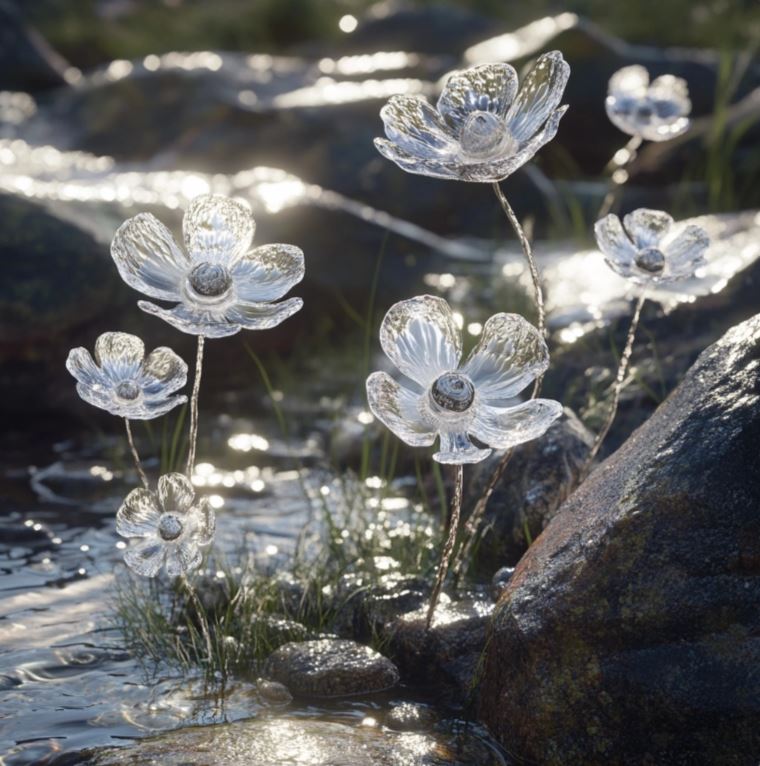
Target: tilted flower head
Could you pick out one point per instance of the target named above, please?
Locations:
(122, 380)
(443, 399)
(655, 111)
(482, 129)
(649, 249)
(168, 527)
(221, 286)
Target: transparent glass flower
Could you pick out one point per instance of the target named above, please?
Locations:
(649, 249)
(123, 381)
(167, 528)
(440, 398)
(656, 111)
(482, 128)
(221, 286)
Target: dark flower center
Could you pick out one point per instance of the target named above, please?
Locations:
(210, 279)
(128, 390)
(645, 111)
(453, 392)
(169, 526)
(650, 260)
(484, 134)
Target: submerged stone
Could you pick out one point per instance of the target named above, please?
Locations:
(273, 693)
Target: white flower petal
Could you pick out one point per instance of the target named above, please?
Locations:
(398, 408)
(205, 522)
(647, 227)
(263, 316)
(685, 251)
(148, 409)
(210, 324)
(539, 95)
(444, 168)
(484, 88)
(217, 229)
(413, 125)
(672, 90)
(119, 355)
(148, 258)
(268, 272)
(138, 515)
(175, 493)
(421, 338)
(182, 557)
(506, 427)
(630, 81)
(146, 557)
(101, 396)
(615, 244)
(163, 372)
(82, 366)
(509, 355)
(457, 449)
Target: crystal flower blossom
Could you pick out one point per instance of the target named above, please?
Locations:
(123, 381)
(219, 284)
(168, 527)
(649, 248)
(656, 111)
(442, 398)
(482, 128)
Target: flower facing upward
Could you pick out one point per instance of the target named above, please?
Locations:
(482, 128)
(440, 398)
(221, 287)
(649, 249)
(655, 111)
(122, 380)
(168, 527)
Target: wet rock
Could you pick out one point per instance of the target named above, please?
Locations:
(446, 655)
(410, 716)
(628, 633)
(541, 474)
(330, 668)
(500, 580)
(273, 631)
(273, 693)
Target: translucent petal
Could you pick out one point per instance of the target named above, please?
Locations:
(412, 124)
(217, 229)
(506, 427)
(421, 338)
(539, 95)
(205, 522)
(182, 557)
(484, 88)
(510, 353)
(457, 449)
(630, 80)
(262, 316)
(100, 396)
(120, 355)
(146, 557)
(148, 258)
(615, 244)
(673, 90)
(148, 409)
(163, 372)
(175, 492)
(398, 408)
(448, 169)
(192, 321)
(685, 251)
(82, 366)
(268, 272)
(647, 227)
(138, 515)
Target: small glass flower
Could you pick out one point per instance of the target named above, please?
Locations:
(655, 111)
(168, 528)
(649, 249)
(482, 129)
(442, 399)
(219, 284)
(123, 381)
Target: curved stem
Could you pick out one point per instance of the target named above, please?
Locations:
(135, 455)
(443, 565)
(194, 408)
(616, 169)
(201, 612)
(622, 370)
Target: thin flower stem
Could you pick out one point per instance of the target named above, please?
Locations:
(201, 612)
(194, 408)
(136, 455)
(622, 370)
(456, 510)
(616, 169)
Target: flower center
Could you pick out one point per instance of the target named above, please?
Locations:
(484, 135)
(210, 280)
(645, 110)
(128, 390)
(453, 391)
(169, 526)
(651, 260)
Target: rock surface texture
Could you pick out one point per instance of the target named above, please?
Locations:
(630, 631)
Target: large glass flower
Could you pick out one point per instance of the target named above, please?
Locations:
(123, 381)
(649, 249)
(168, 527)
(440, 398)
(221, 287)
(655, 111)
(482, 128)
